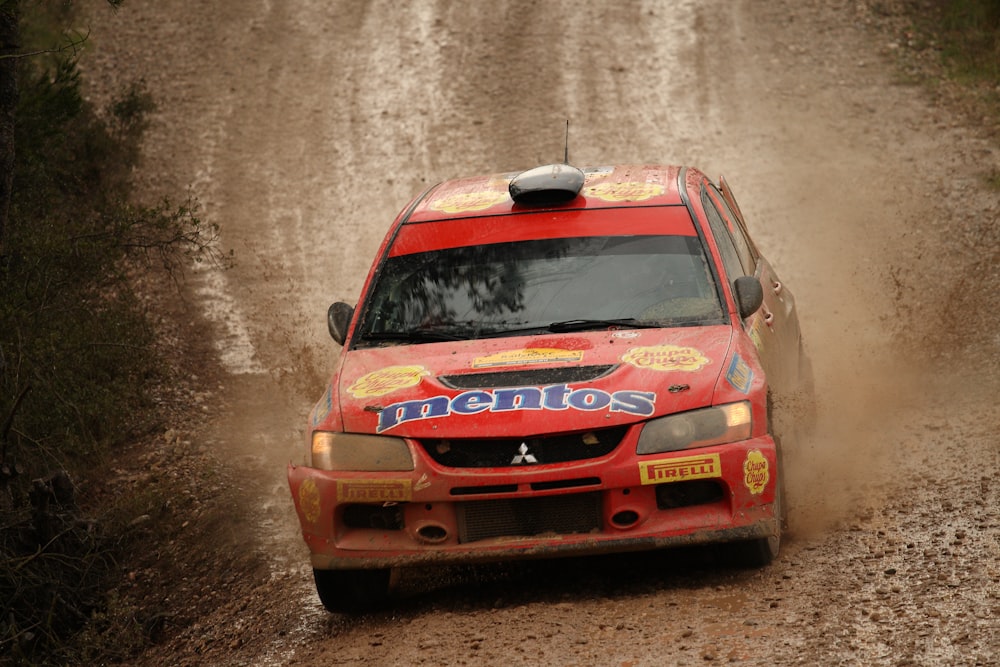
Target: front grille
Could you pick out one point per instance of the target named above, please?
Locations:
(530, 378)
(503, 452)
(526, 517)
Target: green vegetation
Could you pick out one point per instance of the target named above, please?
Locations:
(76, 354)
(969, 31)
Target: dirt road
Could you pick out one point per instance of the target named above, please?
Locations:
(304, 127)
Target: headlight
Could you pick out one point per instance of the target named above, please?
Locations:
(697, 428)
(353, 451)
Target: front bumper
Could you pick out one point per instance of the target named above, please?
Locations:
(616, 503)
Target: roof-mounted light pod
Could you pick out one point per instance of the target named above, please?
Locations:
(546, 185)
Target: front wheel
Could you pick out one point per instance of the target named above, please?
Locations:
(352, 591)
(762, 551)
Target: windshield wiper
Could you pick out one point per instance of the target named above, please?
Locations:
(583, 325)
(414, 335)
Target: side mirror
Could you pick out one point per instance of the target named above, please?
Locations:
(338, 318)
(749, 295)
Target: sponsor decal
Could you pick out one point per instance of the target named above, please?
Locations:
(680, 469)
(625, 334)
(739, 375)
(755, 472)
(755, 329)
(532, 355)
(322, 409)
(374, 491)
(422, 483)
(554, 397)
(666, 358)
(468, 201)
(309, 500)
(616, 192)
(387, 380)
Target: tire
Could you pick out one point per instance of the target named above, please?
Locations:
(762, 551)
(352, 591)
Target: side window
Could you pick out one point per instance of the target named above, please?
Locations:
(730, 258)
(745, 249)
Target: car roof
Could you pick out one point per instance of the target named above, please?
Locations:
(604, 187)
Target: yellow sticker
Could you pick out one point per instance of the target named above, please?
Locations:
(309, 500)
(386, 380)
(533, 355)
(755, 471)
(755, 329)
(680, 469)
(666, 358)
(468, 201)
(616, 192)
(374, 491)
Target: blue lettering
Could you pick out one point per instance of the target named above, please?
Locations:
(634, 402)
(522, 398)
(552, 397)
(396, 414)
(589, 399)
(471, 402)
(555, 396)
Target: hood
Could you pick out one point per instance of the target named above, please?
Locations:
(530, 385)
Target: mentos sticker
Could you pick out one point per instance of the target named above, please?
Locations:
(556, 397)
(386, 380)
(755, 471)
(469, 201)
(680, 469)
(739, 374)
(617, 192)
(666, 358)
(534, 355)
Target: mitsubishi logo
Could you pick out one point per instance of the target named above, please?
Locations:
(523, 456)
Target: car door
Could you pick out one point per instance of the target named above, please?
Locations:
(766, 328)
(779, 312)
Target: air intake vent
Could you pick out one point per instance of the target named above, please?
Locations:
(525, 517)
(534, 378)
(507, 452)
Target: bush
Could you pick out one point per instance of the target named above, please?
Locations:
(76, 353)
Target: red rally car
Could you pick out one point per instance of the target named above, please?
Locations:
(558, 362)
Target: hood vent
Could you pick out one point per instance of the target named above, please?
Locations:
(534, 378)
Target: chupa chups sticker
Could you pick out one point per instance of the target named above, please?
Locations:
(680, 469)
(374, 490)
(666, 358)
(755, 471)
(533, 355)
(386, 380)
(469, 201)
(309, 500)
(617, 192)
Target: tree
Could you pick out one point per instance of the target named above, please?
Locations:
(9, 46)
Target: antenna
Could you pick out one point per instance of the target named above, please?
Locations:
(566, 153)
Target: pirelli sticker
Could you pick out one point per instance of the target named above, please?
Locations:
(374, 491)
(680, 469)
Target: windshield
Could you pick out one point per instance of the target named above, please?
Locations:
(558, 284)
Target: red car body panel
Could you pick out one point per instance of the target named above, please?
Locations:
(428, 395)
